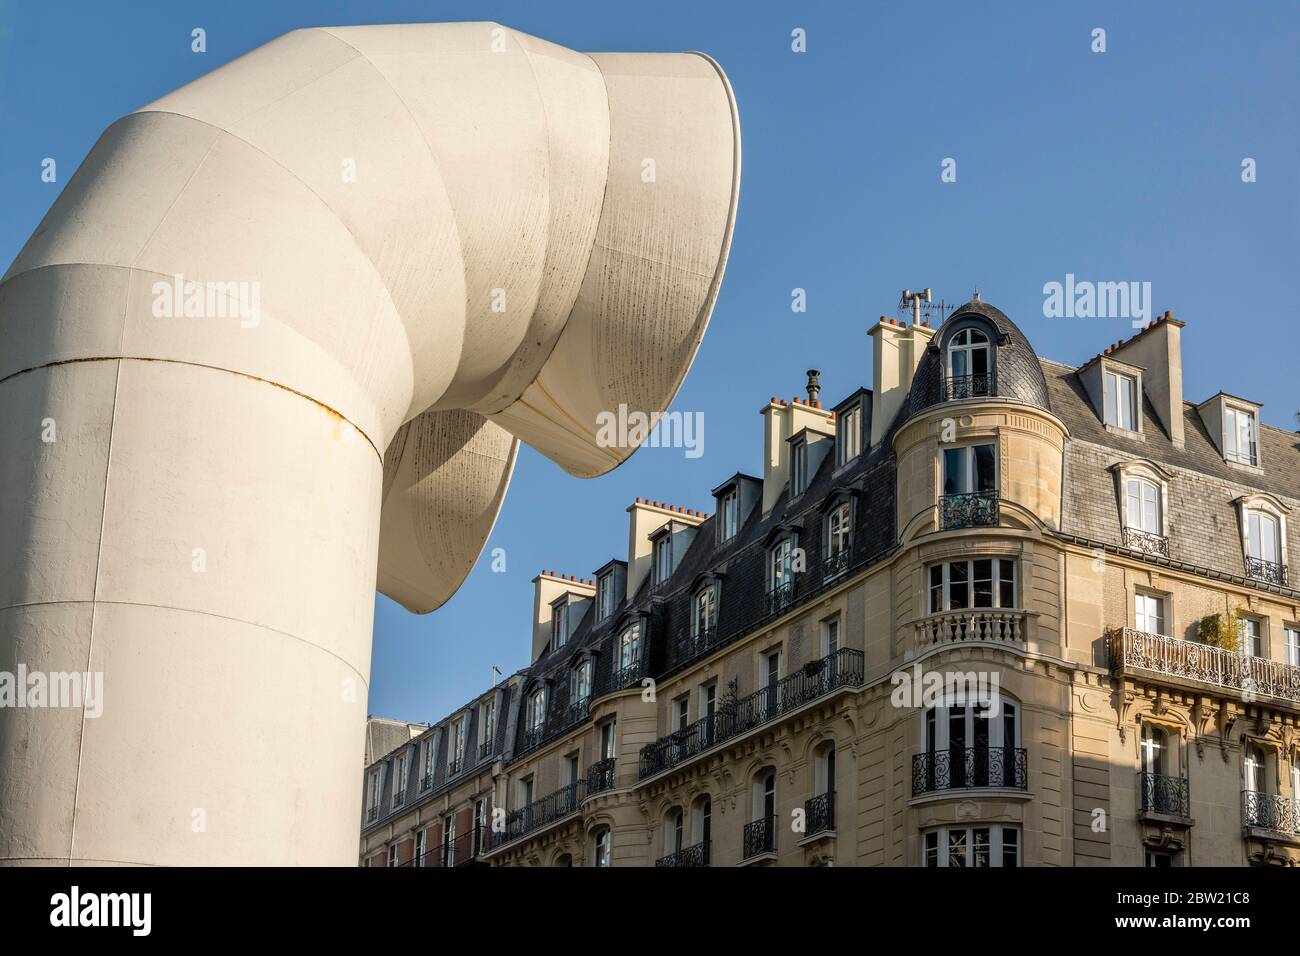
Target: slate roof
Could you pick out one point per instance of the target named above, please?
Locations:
(1017, 374)
(1202, 523)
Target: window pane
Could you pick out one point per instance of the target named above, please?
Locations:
(1010, 846)
(936, 589)
(957, 848)
(958, 590)
(983, 582)
(1007, 583)
(932, 849)
(954, 477)
(981, 848)
(986, 476)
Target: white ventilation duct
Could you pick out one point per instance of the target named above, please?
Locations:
(444, 239)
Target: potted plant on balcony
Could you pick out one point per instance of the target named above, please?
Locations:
(1221, 630)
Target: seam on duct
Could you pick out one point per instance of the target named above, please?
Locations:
(577, 430)
(381, 280)
(94, 605)
(442, 181)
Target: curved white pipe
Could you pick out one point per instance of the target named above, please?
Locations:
(444, 238)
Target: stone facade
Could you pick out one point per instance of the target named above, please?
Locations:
(1100, 728)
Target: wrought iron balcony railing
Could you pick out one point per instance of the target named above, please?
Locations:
(819, 813)
(399, 797)
(695, 645)
(454, 766)
(697, 855)
(540, 813)
(1271, 572)
(956, 387)
(576, 712)
(968, 768)
(844, 668)
(485, 748)
(780, 596)
(532, 738)
(1270, 811)
(372, 814)
(973, 509)
(1163, 794)
(1133, 650)
(972, 624)
(627, 675)
(600, 776)
(426, 781)
(1138, 540)
(837, 562)
(760, 837)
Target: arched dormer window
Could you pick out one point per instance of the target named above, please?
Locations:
(704, 615)
(968, 366)
(1143, 505)
(1263, 521)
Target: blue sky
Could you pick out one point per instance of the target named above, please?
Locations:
(1115, 166)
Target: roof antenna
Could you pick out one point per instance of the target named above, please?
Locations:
(924, 307)
(976, 296)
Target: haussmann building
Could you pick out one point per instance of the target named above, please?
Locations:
(1103, 562)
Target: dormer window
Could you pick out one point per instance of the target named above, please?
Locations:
(1239, 431)
(1263, 534)
(1121, 400)
(798, 468)
(705, 617)
(729, 515)
(580, 683)
(559, 623)
(536, 710)
(848, 435)
(663, 558)
(605, 596)
(1142, 506)
(1263, 545)
(629, 646)
(968, 365)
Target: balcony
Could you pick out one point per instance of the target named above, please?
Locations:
(837, 562)
(485, 748)
(816, 679)
(1164, 795)
(538, 814)
(957, 387)
(759, 838)
(779, 597)
(1132, 651)
(819, 814)
(399, 797)
(627, 675)
(426, 782)
(969, 768)
(454, 766)
(576, 712)
(1270, 812)
(1270, 572)
(600, 776)
(532, 738)
(695, 645)
(975, 509)
(1135, 539)
(972, 624)
(372, 814)
(697, 855)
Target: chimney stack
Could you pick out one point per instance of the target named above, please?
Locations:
(814, 386)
